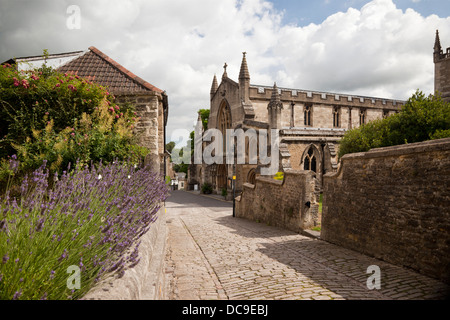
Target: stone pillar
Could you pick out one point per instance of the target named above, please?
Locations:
(147, 129)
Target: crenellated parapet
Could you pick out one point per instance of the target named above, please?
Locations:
(325, 98)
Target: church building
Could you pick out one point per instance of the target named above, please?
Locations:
(310, 125)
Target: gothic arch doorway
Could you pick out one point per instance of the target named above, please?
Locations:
(222, 176)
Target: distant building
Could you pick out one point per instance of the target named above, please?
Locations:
(181, 178)
(150, 102)
(441, 69)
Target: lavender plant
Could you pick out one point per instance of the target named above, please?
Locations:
(92, 218)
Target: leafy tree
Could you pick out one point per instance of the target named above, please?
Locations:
(170, 146)
(421, 118)
(204, 114)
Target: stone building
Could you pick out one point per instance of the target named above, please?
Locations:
(441, 69)
(310, 125)
(150, 102)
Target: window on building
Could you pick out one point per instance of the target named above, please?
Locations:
(307, 115)
(224, 121)
(310, 162)
(362, 117)
(385, 114)
(336, 117)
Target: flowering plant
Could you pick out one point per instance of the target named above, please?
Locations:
(92, 218)
(61, 118)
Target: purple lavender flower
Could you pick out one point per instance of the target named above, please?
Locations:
(17, 294)
(63, 256)
(40, 225)
(13, 163)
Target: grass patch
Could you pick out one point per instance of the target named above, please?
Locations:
(320, 202)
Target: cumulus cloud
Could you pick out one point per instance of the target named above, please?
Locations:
(178, 46)
(378, 50)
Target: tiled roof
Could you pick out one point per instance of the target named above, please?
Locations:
(101, 69)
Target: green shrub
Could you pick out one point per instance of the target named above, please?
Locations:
(207, 188)
(224, 192)
(421, 118)
(63, 119)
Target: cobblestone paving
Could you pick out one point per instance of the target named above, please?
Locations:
(212, 255)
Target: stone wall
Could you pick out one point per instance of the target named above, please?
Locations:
(393, 204)
(292, 203)
(150, 128)
(146, 281)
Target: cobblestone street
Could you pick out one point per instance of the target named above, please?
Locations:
(211, 255)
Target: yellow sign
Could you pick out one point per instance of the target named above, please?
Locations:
(234, 177)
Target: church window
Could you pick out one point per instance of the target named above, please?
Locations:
(310, 162)
(362, 117)
(224, 121)
(336, 117)
(307, 115)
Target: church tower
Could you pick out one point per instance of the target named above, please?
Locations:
(441, 69)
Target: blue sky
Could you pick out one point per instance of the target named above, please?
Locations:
(304, 12)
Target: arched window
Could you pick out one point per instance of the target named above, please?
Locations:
(310, 161)
(307, 115)
(336, 117)
(224, 121)
(224, 118)
(362, 117)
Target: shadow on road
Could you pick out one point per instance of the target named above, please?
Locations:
(335, 268)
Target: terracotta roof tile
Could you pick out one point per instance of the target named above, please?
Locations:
(98, 67)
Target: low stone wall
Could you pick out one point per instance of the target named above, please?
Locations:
(292, 203)
(146, 281)
(393, 204)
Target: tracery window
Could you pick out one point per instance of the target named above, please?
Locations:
(307, 115)
(310, 162)
(224, 121)
(336, 117)
(224, 118)
(362, 117)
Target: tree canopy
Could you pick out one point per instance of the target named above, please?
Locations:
(421, 118)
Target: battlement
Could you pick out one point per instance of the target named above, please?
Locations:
(288, 96)
(443, 55)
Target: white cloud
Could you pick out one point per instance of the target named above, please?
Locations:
(179, 45)
(378, 50)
